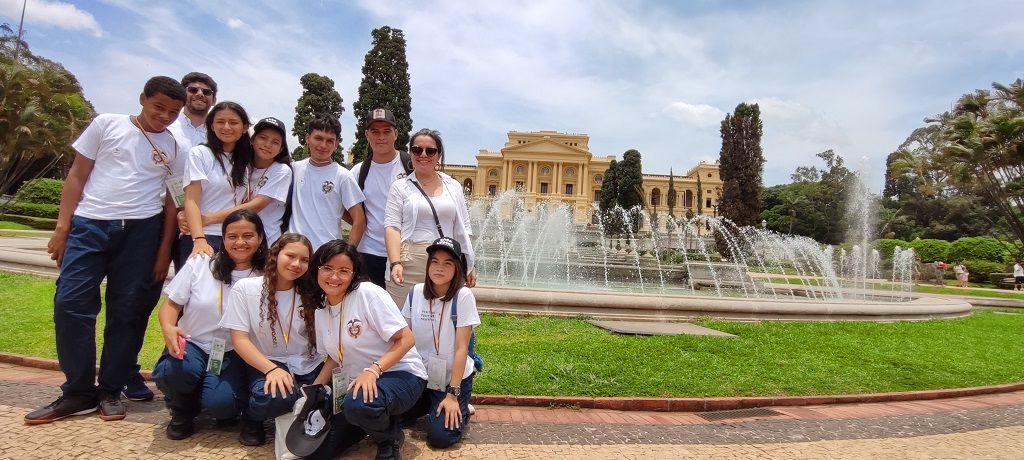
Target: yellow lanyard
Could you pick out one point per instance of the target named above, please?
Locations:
(341, 330)
(220, 301)
(249, 189)
(291, 320)
(440, 322)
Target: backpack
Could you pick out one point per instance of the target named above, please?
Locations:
(478, 361)
(364, 168)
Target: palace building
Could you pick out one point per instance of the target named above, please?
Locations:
(548, 165)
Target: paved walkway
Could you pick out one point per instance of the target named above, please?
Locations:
(986, 426)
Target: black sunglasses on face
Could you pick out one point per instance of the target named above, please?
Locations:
(196, 90)
(419, 151)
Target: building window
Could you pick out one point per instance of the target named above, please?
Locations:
(655, 197)
(568, 189)
(597, 195)
(492, 190)
(520, 169)
(519, 186)
(598, 178)
(545, 170)
(544, 187)
(570, 171)
(709, 175)
(493, 173)
(688, 199)
(707, 202)
(467, 187)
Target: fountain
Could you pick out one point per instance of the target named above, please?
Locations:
(538, 261)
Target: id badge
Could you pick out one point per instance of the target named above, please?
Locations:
(339, 382)
(436, 370)
(176, 187)
(216, 361)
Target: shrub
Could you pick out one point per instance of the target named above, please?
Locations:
(997, 277)
(48, 211)
(929, 250)
(37, 223)
(978, 248)
(886, 247)
(980, 270)
(41, 191)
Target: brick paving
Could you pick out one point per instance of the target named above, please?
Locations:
(981, 426)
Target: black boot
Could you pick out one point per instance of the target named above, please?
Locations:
(179, 428)
(253, 433)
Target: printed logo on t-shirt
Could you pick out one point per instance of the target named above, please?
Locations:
(262, 182)
(327, 187)
(400, 175)
(355, 328)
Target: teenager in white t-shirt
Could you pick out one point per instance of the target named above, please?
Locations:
(270, 175)
(443, 341)
(409, 220)
(213, 172)
(115, 222)
(373, 364)
(323, 190)
(192, 312)
(272, 332)
(383, 167)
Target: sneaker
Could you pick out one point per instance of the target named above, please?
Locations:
(472, 410)
(111, 407)
(253, 433)
(391, 449)
(179, 428)
(61, 408)
(136, 389)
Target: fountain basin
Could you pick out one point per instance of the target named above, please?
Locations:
(659, 307)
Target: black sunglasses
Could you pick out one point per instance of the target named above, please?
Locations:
(196, 90)
(419, 151)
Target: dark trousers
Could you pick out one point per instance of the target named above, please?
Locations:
(185, 246)
(189, 389)
(437, 435)
(263, 406)
(124, 252)
(376, 268)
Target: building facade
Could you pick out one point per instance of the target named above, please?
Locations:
(548, 165)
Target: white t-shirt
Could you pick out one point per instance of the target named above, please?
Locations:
(370, 320)
(375, 189)
(242, 313)
(126, 181)
(273, 183)
(425, 228)
(424, 322)
(1018, 270)
(218, 193)
(195, 288)
(195, 134)
(320, 197)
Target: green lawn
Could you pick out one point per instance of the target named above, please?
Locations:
(551, 356)
(13, 226)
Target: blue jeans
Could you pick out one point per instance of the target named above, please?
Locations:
(437, 435)
(185, 246)
(188, 389)
(397, 392)
(123, 251)
(263, 406)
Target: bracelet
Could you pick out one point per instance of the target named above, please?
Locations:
(272, 369)
(395, 263)
(372, 371)
(198, 238)
(375, 363)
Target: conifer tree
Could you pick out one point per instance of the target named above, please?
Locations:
(670, 201)
(741, 162)
(318, 96)
(385, 84)
(630, 179)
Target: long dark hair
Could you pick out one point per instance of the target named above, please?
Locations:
(312, 293)
(221, 264)
(457, 282)
(242, 155)
(284, 156)
(268, 304)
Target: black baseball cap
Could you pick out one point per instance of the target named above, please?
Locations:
(312, 421)
(270, 122)
(380, 114)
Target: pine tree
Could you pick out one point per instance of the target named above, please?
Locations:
(318, 96)
(608, 198)
(741, 162)
(630, 178)
(670, 201)
(385, 84)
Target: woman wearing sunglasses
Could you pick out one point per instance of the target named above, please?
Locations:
(423, 207)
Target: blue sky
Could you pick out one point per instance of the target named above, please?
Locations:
(657, 76)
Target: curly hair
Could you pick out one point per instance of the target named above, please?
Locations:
(268, 302)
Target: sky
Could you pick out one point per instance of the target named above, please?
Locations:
(656, 76)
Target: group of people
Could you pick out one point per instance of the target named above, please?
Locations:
(267, 297)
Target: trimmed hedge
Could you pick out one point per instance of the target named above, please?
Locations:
(40, 191)
(980, 271)
(37, 223)
(887, 247)
(996, 278)
(46, 211)
(978, 248)
(930, 250)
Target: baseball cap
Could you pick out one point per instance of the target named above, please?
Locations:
(380, 114)
(312, 420)
(453, 247)
(270, 122)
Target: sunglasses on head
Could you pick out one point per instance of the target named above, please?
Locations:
(420, 151)
(196, 90)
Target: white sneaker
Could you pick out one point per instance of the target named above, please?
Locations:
(472, 410)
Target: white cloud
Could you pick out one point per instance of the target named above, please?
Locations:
(236, 23)
(700, 115)
(57, 14)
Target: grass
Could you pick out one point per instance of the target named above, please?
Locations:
(5, 225)
(569, 357)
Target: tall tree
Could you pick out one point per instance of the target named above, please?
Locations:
(741, 162)
(670, 201)
(385, 84)
(630, 178)
(318, 96)
(42, 109)
(609, 197)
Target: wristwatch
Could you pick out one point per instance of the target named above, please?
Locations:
(395, 263)
(454, 391)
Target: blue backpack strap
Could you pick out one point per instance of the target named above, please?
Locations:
(455, 308)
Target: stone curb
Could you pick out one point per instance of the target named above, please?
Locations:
(661, 404)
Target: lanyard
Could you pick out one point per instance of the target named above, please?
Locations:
(291, 320)
(220, 300)
(341, 330)
(250, 189)
(159, 156)
(440, 322)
